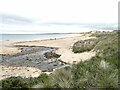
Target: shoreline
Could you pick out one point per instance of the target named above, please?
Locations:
(7, 47)
(64, 35)
(63, 45)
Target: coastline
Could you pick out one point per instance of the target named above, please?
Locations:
(64, 49)
(7, 47)
(64, 46)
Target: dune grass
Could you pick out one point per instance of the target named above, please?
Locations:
(84, 45)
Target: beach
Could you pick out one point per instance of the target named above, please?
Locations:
(64, 46)
(31, 54)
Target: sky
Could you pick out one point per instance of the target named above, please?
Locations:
(42, 16)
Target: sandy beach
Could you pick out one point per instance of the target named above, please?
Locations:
(8, 71)
(64, 48)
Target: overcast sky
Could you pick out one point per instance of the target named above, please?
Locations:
(34, 13)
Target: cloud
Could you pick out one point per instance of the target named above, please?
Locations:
(12, 19)
(17, 24)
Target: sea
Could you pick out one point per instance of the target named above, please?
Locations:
(43, 36)
(68, 28)
(31, 37)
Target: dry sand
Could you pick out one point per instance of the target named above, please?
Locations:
(9, 50)
(6, 48)
(8, 71)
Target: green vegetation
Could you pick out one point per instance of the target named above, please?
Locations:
(62, 78)
(99, 72)
(14, 82)
(51, 55)
(108, 43)
(85, 45)
(24, 83)
(92, 74)
(44, 81)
